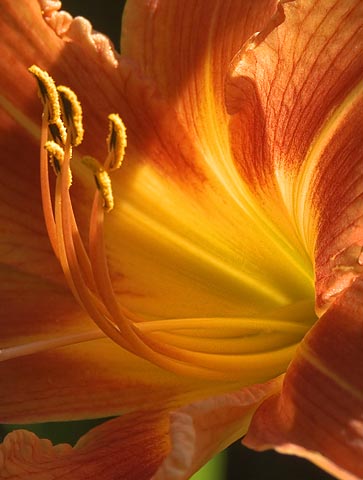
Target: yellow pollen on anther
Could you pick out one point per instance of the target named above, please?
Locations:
(47, 92)
(72, 114)
(56, 158)
(55, 155)
(116, 141)
(103, 181)
(57, 131)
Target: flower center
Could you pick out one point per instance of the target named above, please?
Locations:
(251, 350)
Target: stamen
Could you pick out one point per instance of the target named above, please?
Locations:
(116, 142)
(103, 181)
(72, 114)
(47, 92)
(87, 272)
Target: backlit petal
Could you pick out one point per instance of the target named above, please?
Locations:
(319, 413)
(189, 64)
(101, 453)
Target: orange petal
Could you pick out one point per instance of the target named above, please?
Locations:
(287, 71)
(337, 196)
(25, 246)
(319, 413)
(129, 447)
(186, 48)
(201, 430)
(296, 92)
(36, 310)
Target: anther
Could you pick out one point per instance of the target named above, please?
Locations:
(72, 114)
(47, 92)
(116, 141)
(103, 181)
(55, 155)
(58, 131)
(56, 158)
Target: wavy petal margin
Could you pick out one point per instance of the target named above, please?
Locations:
(319, 412)
(101, 453)
(201, 430)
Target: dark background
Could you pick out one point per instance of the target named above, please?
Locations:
(242, 464)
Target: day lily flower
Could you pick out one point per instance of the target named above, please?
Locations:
(212, 284)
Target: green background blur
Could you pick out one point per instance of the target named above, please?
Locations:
(236, 463)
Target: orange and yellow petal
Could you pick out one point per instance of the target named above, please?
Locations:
(319, 412)
(36, 310)
(129, 447)
(295, 95)
(305, 100)
(185, 222)
(201, 106)
(90, 379)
